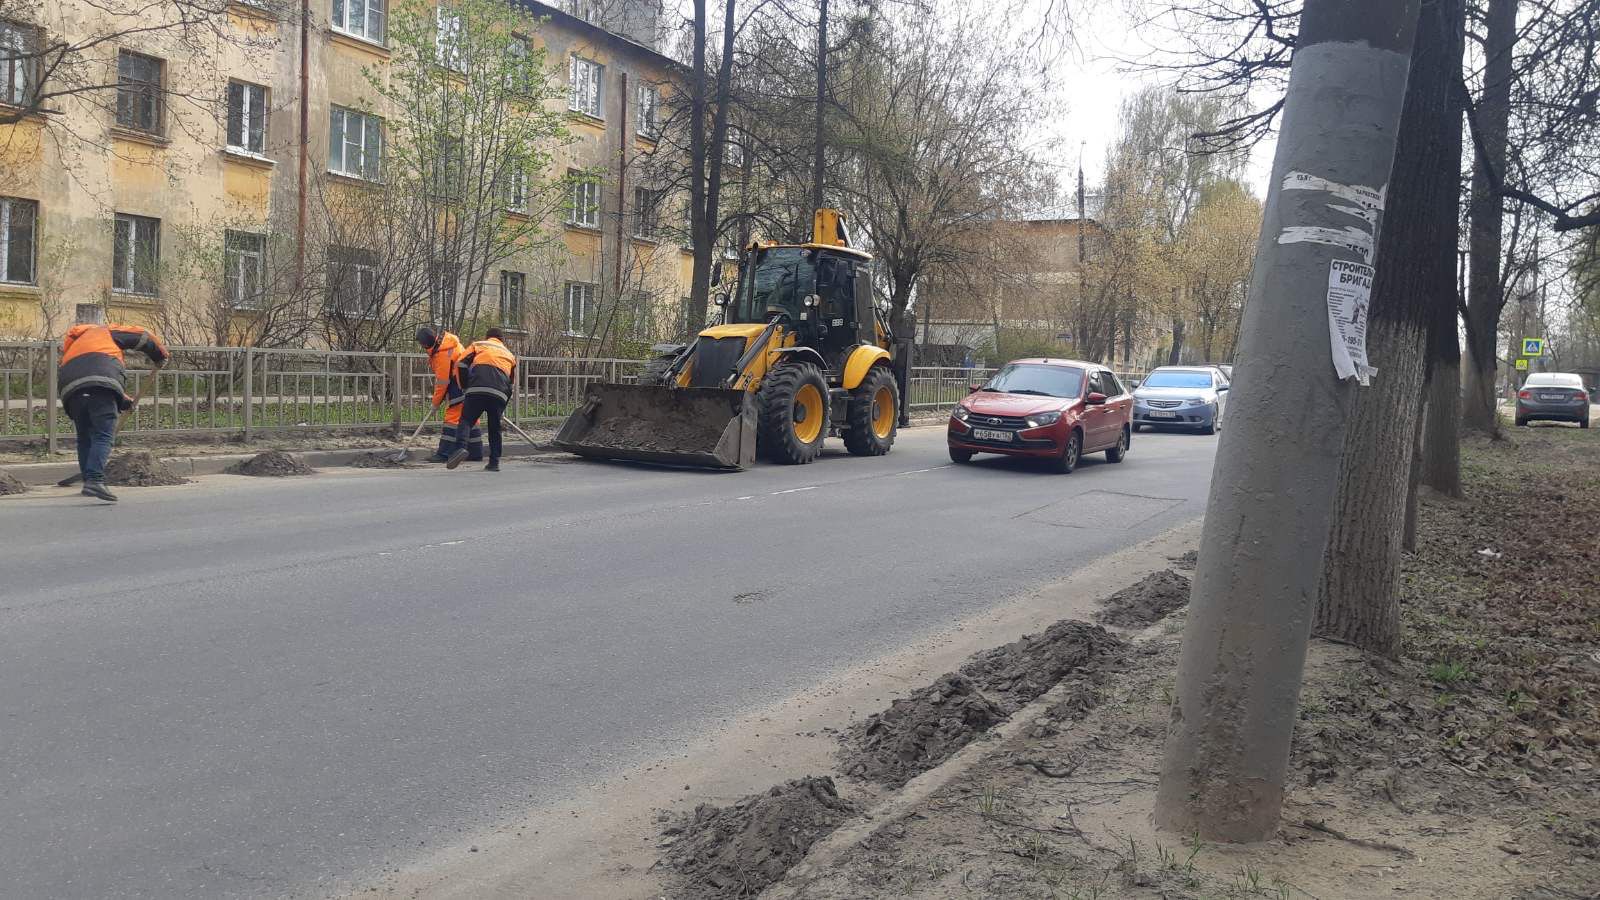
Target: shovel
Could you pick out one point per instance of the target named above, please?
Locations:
(399, 456)
(518, 429)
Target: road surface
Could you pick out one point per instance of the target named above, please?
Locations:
(256, 687)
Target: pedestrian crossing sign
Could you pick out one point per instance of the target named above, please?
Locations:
(1532, 346)
(1522, 365)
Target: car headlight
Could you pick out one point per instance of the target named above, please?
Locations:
(1198, 401)
(1045, 418)
(961, 413)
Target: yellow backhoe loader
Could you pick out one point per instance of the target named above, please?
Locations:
(800, 354)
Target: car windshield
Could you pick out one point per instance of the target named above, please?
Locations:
(782, 279)
(1553, 379)
(1178, 379)
(1045, 381)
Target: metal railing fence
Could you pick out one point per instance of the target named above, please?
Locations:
(249, 391)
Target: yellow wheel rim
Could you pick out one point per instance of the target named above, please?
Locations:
(883, 412)
(807, 413)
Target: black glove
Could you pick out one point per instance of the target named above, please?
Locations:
(124, 403)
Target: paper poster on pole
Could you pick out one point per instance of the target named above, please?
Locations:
(1349, 296)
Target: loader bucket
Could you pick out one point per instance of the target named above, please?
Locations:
(707, 427)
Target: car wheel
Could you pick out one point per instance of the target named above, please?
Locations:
(1584, 424)
(1137, 427)
(1212, 425)
(960, 456)
(1117, 453)
(1068, 460)
(1521, 422)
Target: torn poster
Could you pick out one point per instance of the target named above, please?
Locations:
(1359, 202)
(1349, 296)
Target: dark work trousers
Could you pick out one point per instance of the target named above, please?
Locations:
(94, 415)
(484, 404)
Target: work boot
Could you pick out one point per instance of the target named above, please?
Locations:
(437, 458)
(455, 459)
(98, 489)
(493, 466)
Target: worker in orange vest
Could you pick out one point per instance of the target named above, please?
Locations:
(444, 351)
(485, 374)
(93, 385)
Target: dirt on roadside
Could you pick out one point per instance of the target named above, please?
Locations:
(379, 459)
(140, 468)
(738, 849)
(11, 484)
(1021, 671)
(271, 464)
(1147, 601)
(918, 731)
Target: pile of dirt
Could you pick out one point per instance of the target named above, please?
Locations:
(1021, 671)
(919, 731)
(737, 850)
(11, 484)
(1188, 560)
(1149, 600)
(140, 468)
(378, 459)
(271, 464)
(667, 435)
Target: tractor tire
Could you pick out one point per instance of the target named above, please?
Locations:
(794, 414)
(655, 369)
(873, 415)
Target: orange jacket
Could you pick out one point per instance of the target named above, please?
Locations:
(487, 367)
(442, 358)
(91, 356)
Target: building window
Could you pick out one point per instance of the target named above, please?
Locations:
(513, 289)
(585, 200)
(580, 306)
(352, 283)
(243, 255)
(523, 69)
(448, 41)
(586, 77)
(361, 18)
(247, 117)
(139, 91)
(17, 63)
(587, 10)
(517, 191)
(442, 278)
(449, 167)
(649, 112)
(17, 232)
(647, 213)
(136, 254)
(355, 143)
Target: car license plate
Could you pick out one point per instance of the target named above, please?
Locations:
(988, 434)
(1162, 414)
(1552, 396)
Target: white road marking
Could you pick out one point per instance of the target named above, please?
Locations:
(929, 469)
(796, 490)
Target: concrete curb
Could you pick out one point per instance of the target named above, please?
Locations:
(45, 474)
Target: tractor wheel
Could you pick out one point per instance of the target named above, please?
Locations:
(655, 370)
(794, 414)
(873, 414)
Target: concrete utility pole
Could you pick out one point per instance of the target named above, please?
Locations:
(819, 162)
(1272, 488)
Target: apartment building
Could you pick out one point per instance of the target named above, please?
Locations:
(173, 198)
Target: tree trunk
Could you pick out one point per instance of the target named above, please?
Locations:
(1415, 264)
(1441, 434)
(1175, 355)
(1485, 299)
(699, 233)
(1272, 492)
(1408, 538)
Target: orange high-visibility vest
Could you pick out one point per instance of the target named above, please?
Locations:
(92, 356)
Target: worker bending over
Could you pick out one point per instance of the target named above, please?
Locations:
(93, 380)
(485, 374)
(443, 354)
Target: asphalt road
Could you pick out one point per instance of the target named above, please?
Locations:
(256, 687)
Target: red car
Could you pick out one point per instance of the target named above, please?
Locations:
(1050, 409)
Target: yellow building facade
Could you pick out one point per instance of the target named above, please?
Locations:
(165, 198)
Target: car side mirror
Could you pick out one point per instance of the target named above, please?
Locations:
(974, 387)
(1222, 389)
(1095, 398)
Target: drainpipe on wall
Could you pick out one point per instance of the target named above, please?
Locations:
(305, 141)
(622, 188)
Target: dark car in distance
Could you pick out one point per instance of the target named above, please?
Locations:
(1553, 397)
(1054, 410)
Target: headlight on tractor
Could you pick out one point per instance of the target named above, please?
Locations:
(1038, 420)
(961, 413)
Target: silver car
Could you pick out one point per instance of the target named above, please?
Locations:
(1181, 396)
(1553, 397)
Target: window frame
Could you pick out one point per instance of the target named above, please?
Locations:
(8, 217)
(131, 90)
(519, 280)
(19, 78)
(233, 279)
(648, 121)
(367, 8)
(647, 203)
(129, 251)
(586, 293)
(595, 78)
(371, 125)
(584, 199)
(364, 265)
(261, 108)
(518, 185)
